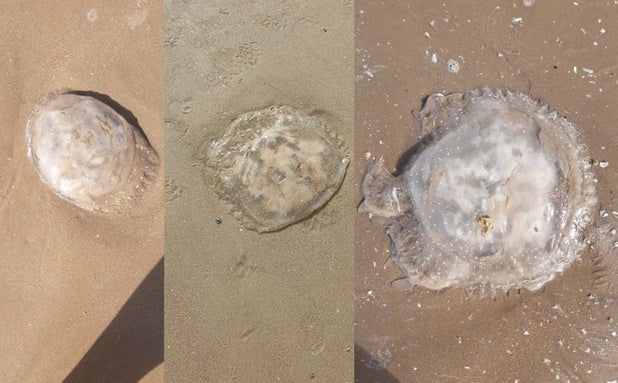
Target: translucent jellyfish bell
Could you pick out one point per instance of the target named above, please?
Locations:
(498, 194)
(276, 166)
(87, 153)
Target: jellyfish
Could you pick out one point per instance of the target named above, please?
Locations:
(87, 153)
(277, 166)
(496, 195)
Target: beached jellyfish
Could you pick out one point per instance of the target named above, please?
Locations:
(88, 153)
(497, 194)
(276, 166)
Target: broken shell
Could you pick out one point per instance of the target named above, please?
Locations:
(87, 153)
(497, 194)
(276, 166)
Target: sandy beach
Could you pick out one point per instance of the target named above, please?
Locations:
(74, 283)
(560, 52)
(242, 305)
(89, 296)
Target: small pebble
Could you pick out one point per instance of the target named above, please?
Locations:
(603, 164)
(92, 15)
(452, 66)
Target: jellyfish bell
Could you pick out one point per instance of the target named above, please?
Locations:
(276, 166)
(87, 153)
(498, 194)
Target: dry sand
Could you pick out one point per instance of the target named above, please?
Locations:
(567, 330)
(242, 306)
(81, 294)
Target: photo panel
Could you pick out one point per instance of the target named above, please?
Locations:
(81, 191)
(485, 239)
(259, 195)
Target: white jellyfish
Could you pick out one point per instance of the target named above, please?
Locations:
(496, 195)
(88, 153)
(276, 166)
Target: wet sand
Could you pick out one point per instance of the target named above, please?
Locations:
(567, 330)
(242, 306)
(74, 283)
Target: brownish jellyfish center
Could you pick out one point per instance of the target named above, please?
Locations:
(484, 222)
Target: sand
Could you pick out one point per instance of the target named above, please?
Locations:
(242, 306)
(567, 330)
(81, 295)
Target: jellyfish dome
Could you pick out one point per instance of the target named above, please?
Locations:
(497, 194)
(87, 153)
(277, 166)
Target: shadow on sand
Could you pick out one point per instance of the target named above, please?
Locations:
(132, 344)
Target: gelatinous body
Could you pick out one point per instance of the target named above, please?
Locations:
(276, 166)
(88, 153)
(496, 195)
